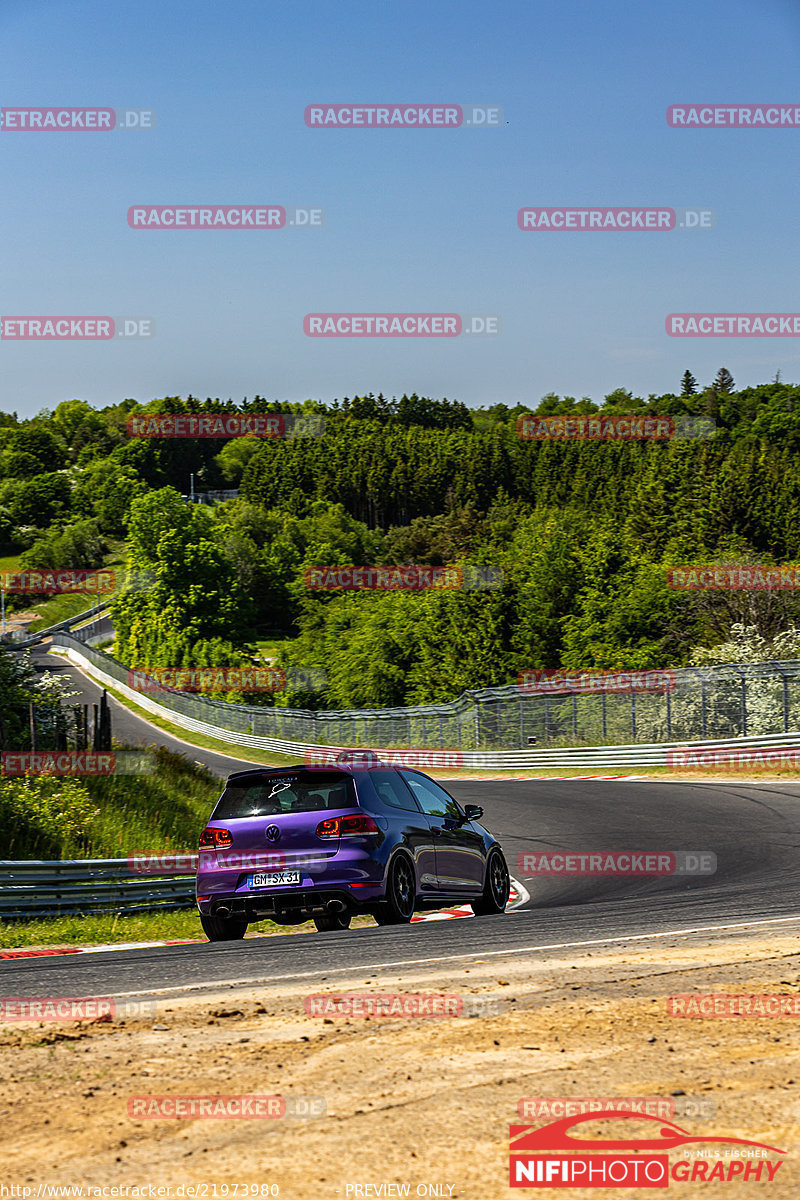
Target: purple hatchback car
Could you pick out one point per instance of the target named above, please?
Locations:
(360, 836)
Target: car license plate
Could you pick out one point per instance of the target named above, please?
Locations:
(273, 878)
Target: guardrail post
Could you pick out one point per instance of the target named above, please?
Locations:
(633, 716)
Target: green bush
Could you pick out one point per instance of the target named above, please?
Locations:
(50, 817)
(44, 816)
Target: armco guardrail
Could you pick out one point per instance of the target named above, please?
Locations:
(60, 888)
(106, 671)
(721, 702)
(25, 643)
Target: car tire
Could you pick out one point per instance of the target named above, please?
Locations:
(496, 886)
(333, 921)
(401, 893)
(222, 929)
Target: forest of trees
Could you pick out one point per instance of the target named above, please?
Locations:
(583, 533)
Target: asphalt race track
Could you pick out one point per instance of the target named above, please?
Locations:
(754, 829)
(126, 726)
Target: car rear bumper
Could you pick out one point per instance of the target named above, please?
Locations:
(257, 905)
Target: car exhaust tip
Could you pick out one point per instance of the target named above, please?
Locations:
(336, 906)
(222, 910)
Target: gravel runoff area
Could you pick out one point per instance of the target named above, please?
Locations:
(416, 1105)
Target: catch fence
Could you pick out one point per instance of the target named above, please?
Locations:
(708, 703)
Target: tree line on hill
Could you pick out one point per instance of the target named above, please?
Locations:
(583, 533)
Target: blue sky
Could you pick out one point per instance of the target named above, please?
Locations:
(421, 221)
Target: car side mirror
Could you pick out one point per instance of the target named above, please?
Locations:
(473, 812)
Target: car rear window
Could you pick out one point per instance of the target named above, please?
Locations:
(288, 792)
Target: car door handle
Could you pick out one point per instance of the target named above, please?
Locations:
(436, 829)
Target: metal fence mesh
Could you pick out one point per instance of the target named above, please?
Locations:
(710, 702)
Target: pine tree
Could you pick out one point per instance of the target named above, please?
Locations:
(688, 384)
(723, 381)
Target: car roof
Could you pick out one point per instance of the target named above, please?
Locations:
(346, 768)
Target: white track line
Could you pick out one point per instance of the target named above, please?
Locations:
(519, 896)
(218, 984)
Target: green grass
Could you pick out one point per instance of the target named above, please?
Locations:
(117, 551)
(166, 810)
(144, 927)
(269, 648)
(69, 604)
(96, 929)
(59, 608)
(49, 817)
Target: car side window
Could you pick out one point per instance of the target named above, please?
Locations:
(392, 790)
(431, 798)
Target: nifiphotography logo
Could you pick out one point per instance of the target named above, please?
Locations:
(554, 1157)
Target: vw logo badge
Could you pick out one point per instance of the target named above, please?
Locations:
(273, 833)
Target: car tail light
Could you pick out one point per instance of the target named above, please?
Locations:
(211, 839)
(355, 826)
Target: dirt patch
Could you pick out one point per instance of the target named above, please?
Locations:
(424, 1101)
(21, 620)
